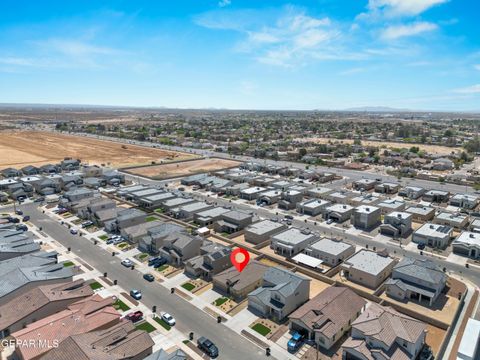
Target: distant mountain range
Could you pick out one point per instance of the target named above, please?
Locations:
(378, 109)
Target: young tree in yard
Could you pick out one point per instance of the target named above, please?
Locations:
(302, 152)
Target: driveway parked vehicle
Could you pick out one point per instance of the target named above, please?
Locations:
(169, 319)
(135, 316)
(295, 342)
(73, 231)
(207, 346)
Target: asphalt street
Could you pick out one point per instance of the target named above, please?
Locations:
(189, 318)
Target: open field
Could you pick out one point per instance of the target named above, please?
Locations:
(20, 148)
(179, 169)
(431, 149)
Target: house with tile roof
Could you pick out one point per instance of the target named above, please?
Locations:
(327, 317)
(384, 333)
(40, 302)
(121, 341)
(416, 279)
(90, 314)
(282, 292)
(163, 355)
(213, 259)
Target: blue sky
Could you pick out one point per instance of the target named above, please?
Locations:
(242, 54)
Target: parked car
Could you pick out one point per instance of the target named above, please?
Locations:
(136, 294)
(289, 217)
(87, 224)
(26, 218)
(330, 221)
(21, 227)
(207, 346)
(161, 261)
(73, 231)
(295, 342)
(127, 262)
(421, 246)
(135, 316)
(19, 212)
(13, 220)
(149, 277)
(40, 199)
(167, 318)
(153, 260)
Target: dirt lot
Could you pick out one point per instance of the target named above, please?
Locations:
(434, 338)
(186, 168)
(431, 149)
(20, 148)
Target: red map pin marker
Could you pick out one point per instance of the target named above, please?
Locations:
(239, 258)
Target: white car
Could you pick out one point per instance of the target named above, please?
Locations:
(167, 318)
(127, 262)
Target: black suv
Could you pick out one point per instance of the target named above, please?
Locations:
(208, 347)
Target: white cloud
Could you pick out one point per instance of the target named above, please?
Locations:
(474, 89)
(353, 71)
(476, 67)
(400, 31)
(223, 3)
(399, 8)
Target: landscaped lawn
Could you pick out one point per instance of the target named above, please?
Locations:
(103, 237)
(162, 322)
(96, 285)
(186, 341)
(120, 305)
(163, 267)
(159, 210)
(188, 286)
(146, 326)
(221, 301)
(122, 245)
(261, 329)
(68, 264)
(142, 256)
(151, 218)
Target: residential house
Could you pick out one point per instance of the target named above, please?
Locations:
(368, 268)
(10, 173)
(366, 217)
(466, 201)
(270, 197)
(384, 333)
(232, 222)
(412, 192)
(433, 235)
(339, 212)
(153, 240)
(213, 259)
(252, 193)
(114, 178)
(90, 314)
(170, 204)
(30, 170)
(16, 243)
(438, 196)
(312, 207)
(94, 182)
(50, 169)
(455, 220)
(186, 212)
(178, 247)
(467, 244)
(40, 302)
(78, 194)
(397, 223)
(364, 184)
(421, 213)
(122, 341)
(416, 279)
(331, 252)
(240, 284)
(135, 233)
(163, 355)
(208, 217)
(155, 201)
(290, 198)
(387, 188)
(327, 317)
(442, 164)
(262, 231)
(389, 205)
(292, 241)
(319, 192)
(281, 293)
(475, 226)
(22, 273)
(126, 218)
